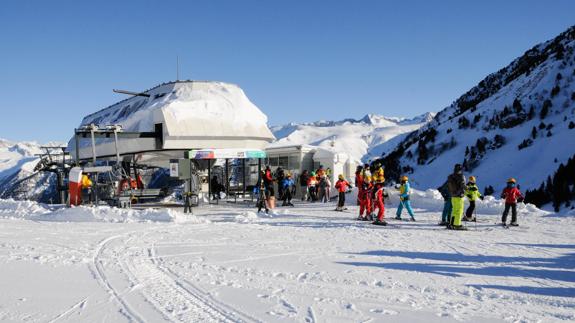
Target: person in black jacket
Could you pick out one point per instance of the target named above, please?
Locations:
(456, 185)
(303, 179)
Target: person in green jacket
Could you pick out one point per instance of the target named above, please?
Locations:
(472, 193)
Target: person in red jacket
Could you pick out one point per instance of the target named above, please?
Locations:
(342, 186)
(364, 197)
(512, 195)
(380, 205)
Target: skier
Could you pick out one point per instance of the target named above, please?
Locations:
(472, 193)
(512, 195)
(303, 178)
(280, 175)
(359, 183)
(327, 195)
(364, 197)
(456, 184)
(446, 214)
(268, 181)
(312, 187)
(404, 192)
(379, 203)
(342, 186)
(322, 188)
(287, 185)
(261, 191)
(377, 174)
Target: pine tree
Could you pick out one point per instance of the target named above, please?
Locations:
(571, 125)
(531, 113)
(517, 105)
(534, 133)
(555, 90)
(545, 110)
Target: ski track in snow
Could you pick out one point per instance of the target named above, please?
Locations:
(304, 264)
(176, 299)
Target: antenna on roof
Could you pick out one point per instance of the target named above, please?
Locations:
(177, 68)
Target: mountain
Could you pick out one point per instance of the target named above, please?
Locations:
(18, 179)
(364, 139)
(517, 122)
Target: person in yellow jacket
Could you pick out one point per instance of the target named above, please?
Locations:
(86, 182)
(378, 174)
(472, 193)
(86, 187)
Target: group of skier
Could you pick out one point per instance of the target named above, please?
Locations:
(370, 179)
(455, 189)
(371, 194)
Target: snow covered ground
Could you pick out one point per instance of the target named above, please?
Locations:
(304, 264)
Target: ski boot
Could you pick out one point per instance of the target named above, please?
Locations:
(412, 219)
(378, 222)
(443, 223)
(458, 228)
(398, 218)
(360, 218)
(514, 224)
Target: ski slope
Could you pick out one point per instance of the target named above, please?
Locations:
(305, 264)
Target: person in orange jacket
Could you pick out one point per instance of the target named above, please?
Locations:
(342, 186)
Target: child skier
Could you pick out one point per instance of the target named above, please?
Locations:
(287, 185)
(472, 193)
(404, 192)
(446, 214)
(379, 203)
(312, 187)
(512, 195)
(364, 196)
(342, 186)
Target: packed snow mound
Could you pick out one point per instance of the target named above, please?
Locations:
(364, 139)
(518, 122)
(200, 110)
(30, 210)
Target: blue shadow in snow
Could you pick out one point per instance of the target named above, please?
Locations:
(544, 291)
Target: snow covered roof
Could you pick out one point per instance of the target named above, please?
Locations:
(193, 115)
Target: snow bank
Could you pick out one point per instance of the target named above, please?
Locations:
(39, 212)
(431, 200)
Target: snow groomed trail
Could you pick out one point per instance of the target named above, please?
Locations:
(303, 264)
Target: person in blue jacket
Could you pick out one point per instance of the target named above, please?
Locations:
(286, 184)
(404, 192)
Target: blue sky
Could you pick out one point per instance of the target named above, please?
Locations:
(296, 60)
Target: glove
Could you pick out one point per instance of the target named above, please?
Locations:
(520, 200)
(401, 198)
(482, 197)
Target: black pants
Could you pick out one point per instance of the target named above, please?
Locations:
(470, 209)
(287, 196)
(262, 204)
(341, 199)
(513, 207)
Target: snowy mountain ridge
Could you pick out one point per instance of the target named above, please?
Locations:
(517, 122)
(364, 139)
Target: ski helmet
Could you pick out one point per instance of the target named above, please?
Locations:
(340, 176)
(511, 180)
(404, 178)
(472, 179)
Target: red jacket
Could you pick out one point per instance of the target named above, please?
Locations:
(342, 185)
(511, 194)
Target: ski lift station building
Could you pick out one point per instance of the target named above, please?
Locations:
(178, 117)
